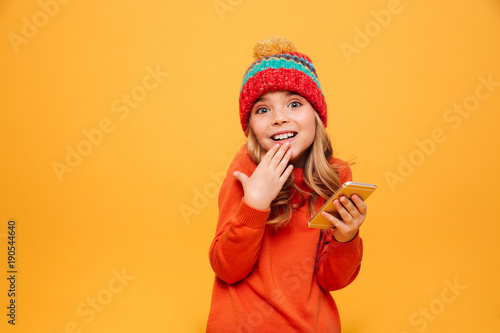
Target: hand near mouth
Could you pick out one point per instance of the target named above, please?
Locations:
(262, 187)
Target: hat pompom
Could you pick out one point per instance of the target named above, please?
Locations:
(272, 45)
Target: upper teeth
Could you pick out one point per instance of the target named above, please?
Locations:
(283, 136)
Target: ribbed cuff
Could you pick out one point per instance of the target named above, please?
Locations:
(345, 249)
(251, 217)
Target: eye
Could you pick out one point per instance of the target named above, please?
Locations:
(262, 110)
(295, 104)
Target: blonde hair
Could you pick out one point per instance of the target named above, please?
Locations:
(319, 175)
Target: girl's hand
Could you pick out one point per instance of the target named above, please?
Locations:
(353, 213)
(268, 178)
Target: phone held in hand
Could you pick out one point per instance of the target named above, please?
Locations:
(363, 190)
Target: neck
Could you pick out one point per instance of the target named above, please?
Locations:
(301, 161)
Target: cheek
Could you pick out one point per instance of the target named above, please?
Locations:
(309, 124)
(258, 129)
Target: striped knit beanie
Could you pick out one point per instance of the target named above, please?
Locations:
(278, 66)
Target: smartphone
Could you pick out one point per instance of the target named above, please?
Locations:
(363, 190)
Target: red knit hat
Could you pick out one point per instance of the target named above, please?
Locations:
(278, 66)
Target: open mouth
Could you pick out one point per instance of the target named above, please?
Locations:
(284, 136)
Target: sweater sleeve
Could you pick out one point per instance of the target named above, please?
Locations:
(240, 228)
(338, 264)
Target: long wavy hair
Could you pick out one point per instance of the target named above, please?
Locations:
(319, 175)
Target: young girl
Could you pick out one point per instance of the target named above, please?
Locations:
(273, 272)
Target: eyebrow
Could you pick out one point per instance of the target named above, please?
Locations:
(288, 93)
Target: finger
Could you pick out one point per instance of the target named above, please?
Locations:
(284, 162)
(352, 209)
(284, 176)
(240, 176)
(350, 206)
(359, 204)
(276, 159)
(270, 154)
(339, 224)
(341, 209)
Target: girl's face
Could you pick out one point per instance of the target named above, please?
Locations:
(284, 116)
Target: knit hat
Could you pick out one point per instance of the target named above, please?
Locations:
(278, 66)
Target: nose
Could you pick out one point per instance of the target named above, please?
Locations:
(280, 117)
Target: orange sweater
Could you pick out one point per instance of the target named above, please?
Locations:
(270, 280)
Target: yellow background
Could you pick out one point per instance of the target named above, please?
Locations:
(119, 211)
